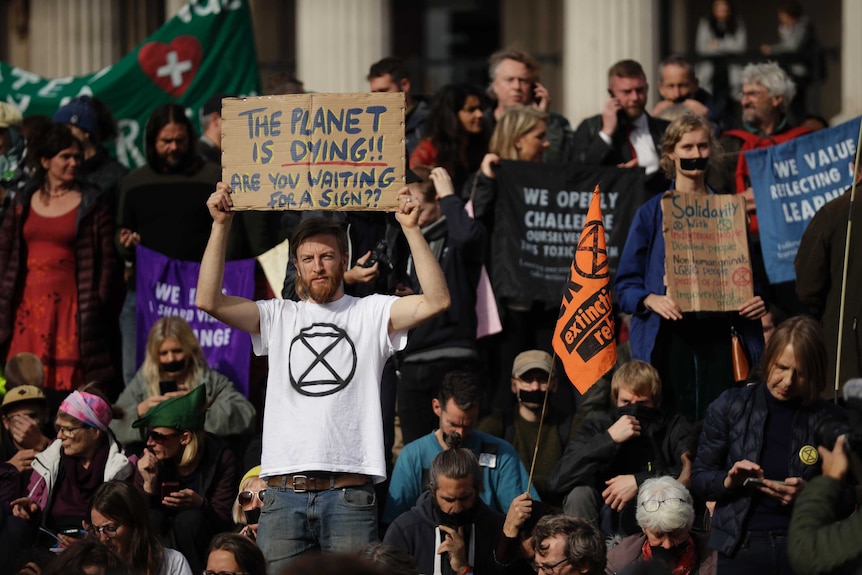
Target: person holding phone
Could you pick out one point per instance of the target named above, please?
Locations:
(174, 366)
(624, 134)
(188, 475)
(764, 431)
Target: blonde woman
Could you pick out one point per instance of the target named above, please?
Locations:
(175, 365)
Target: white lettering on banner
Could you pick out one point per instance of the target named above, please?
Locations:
(174, 68)
(24, 77)
(54, 87)
(213, 337)
(211, 7)
(127, 151)
(22, 104)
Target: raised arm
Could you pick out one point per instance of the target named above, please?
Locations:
(410, 311)
(237, 312)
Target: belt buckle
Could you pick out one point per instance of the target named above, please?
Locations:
(293, 483)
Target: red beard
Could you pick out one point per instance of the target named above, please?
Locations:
(322, 292)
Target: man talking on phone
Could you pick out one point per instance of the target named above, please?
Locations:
(514, 76)
(624, 134)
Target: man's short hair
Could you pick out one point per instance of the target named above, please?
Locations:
(585, 545)
(511, 53)
(395, 67)
(773, 78)
(675, 512)
(317, 227)
(626, 69)
(676, 60)
(639, 377)
(460, 387)
(456, 463)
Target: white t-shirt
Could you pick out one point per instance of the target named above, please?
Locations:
(175, 563)
(323, 394)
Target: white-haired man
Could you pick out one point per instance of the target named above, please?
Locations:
(665, 512)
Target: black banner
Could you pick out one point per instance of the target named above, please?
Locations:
(540, 212)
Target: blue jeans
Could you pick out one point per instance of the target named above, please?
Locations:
(760, 553)
(336, 520)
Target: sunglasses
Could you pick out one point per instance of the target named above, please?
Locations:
(246, 497)
(160, 438)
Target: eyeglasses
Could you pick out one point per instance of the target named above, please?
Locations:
(67, 431)
(548, 569)
(205, 572)
(110, 531)
(753, 93)
(160, 437)
(652, 505)
(246, 497)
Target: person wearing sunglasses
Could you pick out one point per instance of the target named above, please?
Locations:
(118, 518)
(233, 554)
(665, 512)
(68, 472)
(174, 365)
(246, 507)
(188, 475)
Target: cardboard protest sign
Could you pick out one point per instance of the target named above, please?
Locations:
(167, 287)
(791, 182)
(314, 151)
(540, 211)
(707, 264)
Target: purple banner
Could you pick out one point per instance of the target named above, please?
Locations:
(166, 287)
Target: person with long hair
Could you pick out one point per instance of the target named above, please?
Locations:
(233, 553)
(456, 134)
(187, 475)
(118, 518)
(175, 365)
(720, 34)
(68, 472)
(58, 267)
(692, 351)
(758, 450)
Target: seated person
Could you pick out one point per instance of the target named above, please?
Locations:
(176, 361)
(665, 512)
(608, 458)
(450, 530)
(518, 423)
(457, 407)
(188, 476)
(249, 500)
(566, 545)
(24, 414)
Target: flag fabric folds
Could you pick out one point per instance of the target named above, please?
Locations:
(584, 335)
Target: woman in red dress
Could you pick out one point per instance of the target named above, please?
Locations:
(58, 262)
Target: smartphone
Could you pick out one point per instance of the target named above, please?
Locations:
(73, 532)
(167, 386)
(755, 481)
(169, 487)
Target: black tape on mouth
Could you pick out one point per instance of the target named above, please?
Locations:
(693, 163)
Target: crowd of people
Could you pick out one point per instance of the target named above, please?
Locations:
(670, 463)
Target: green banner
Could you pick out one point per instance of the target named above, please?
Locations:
(207, 48)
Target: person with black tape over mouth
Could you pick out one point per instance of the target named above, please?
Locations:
(692, 351)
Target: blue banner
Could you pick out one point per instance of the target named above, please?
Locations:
(166, 287)
(791, 182)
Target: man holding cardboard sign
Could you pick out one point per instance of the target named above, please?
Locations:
(322, 437)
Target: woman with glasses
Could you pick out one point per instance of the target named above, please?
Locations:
(233, 554)
(246, 507)
(187, 475)
(68, 473)
(757, 450)
(118, 518)
(174, 365)
(665, 512)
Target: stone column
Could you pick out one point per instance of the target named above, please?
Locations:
(851, 72)
(73, 37)
(597, 34)
(338, 40)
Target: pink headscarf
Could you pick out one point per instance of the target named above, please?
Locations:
(88, 408)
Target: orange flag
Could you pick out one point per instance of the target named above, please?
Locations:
(584, 336)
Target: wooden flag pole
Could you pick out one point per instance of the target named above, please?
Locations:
(541, 421)
(841, 305)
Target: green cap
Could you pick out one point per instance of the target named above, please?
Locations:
(184, 412)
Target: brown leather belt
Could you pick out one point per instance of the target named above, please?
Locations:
(319, 481)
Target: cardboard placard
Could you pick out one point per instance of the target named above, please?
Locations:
(314, 151)
(707, 264)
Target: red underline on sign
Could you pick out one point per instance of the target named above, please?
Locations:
(353, 164)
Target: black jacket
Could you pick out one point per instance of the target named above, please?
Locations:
(592, 457)
(559, 135)
(590, 148)
(733, 430)
(415, 531)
